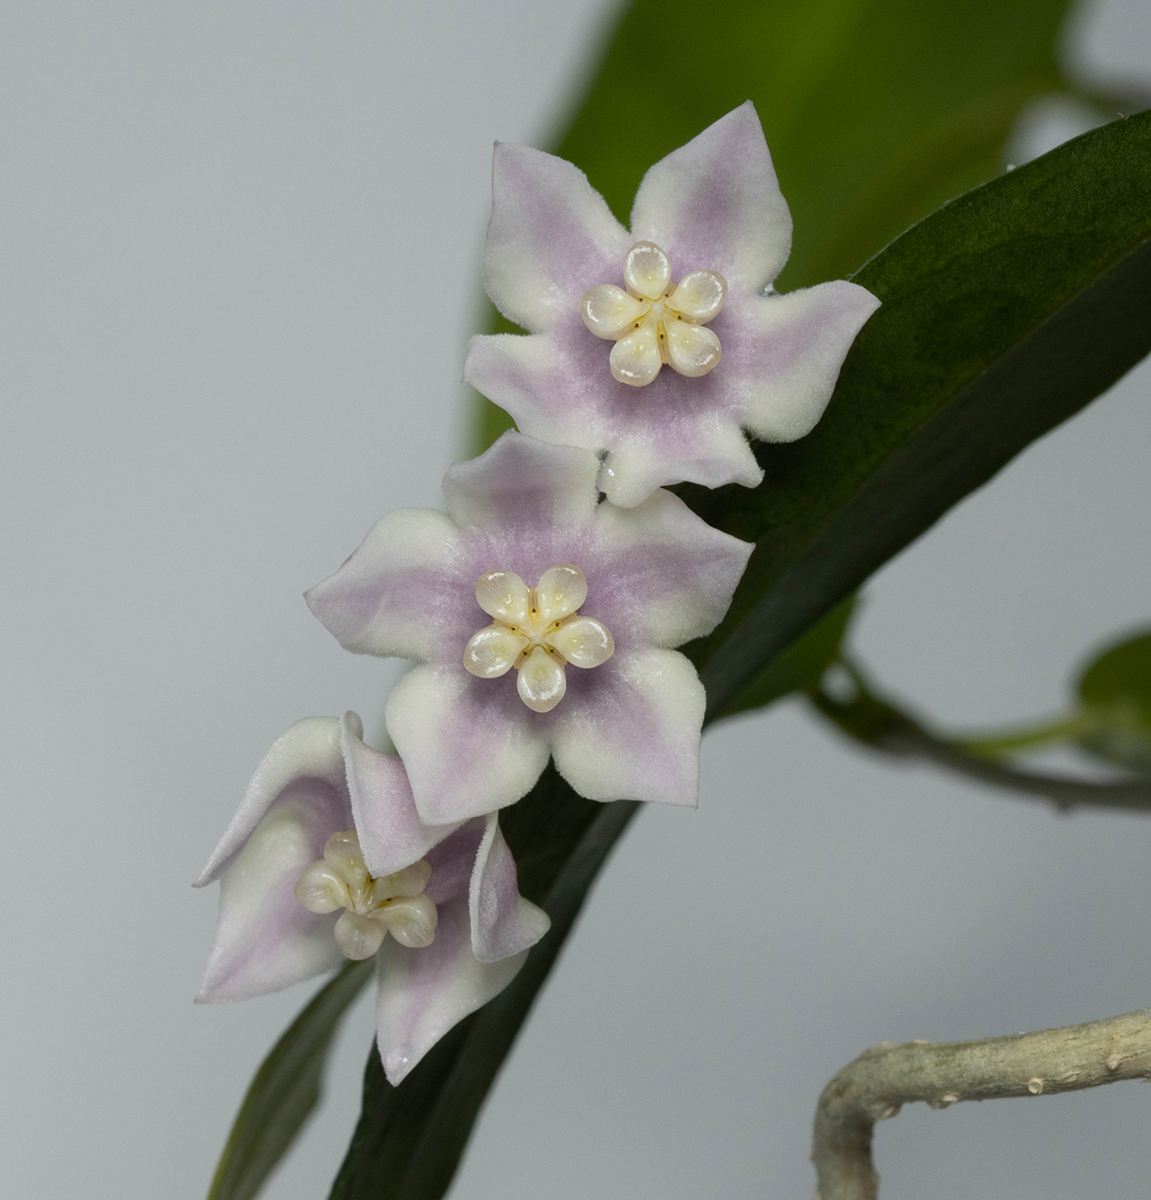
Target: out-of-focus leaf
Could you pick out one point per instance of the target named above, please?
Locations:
(1116, 692)
(285, 1089)
(799, 666)
(876, 111)
(1003, 314)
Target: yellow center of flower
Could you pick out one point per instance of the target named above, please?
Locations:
(655, 322)
(393, 904)
(539, 631)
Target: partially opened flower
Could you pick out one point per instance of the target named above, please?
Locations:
(661, 344)
(326, 860)
(545, 622)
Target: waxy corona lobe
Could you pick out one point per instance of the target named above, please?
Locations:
(627, 725)
(712, 210)
(328, 824)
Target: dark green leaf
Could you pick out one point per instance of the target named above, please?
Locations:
(1116, 691)
(285, 1089)
(798, 667)
(1004, 313)
(876, 111)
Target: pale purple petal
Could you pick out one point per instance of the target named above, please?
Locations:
(503, 922)
(520, 485)
(662, 575)
(392, 836)
(308, 759)
(715, 204)
(423, 993)
(793, 347)
(470, 745)
(383, 600)
(638, 740)
(551, 236)
(265, 940)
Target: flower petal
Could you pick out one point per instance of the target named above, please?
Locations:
(715, 203)
(542, 682)
(265, 939)
(423, 993)
(493, 651)
(378, 601)
(503, 923)
(795, 345)
(522, 484)
(583, 641)
(635, 359)
(550, 238)
(609, 312)
(469, 745)
(561, 591)
(392, 836)
(306, 758)
(692, 350)
(666, 575)
(699, 295)
(638, 739)
(505, 596)
(647, 271)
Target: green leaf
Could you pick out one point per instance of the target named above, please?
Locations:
(1116, 692)
(285, 1089)
(798, 667)
(1004, 313)
(876, 111)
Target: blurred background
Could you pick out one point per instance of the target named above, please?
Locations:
(241, 247)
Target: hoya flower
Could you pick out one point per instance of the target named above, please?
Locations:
(658, 345)
(326, 860)
(544, 623)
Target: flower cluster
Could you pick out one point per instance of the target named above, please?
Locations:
(543, 608)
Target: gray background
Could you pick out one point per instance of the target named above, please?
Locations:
(240, 252)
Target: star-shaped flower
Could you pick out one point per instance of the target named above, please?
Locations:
(701, 347)
(326, 860)
(544, 621)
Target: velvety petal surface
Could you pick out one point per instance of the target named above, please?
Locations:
(382, 600)
(792, 348)
(503, 923)
(715, 204)
(309, 757)
(520, 485)
(638, 740)
(392, 836)
(470, 745)
(551, 237)
(423, 993)
(265, 940)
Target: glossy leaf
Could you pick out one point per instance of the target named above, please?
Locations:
(1004, 313)
(285, 1089)
(876, 111)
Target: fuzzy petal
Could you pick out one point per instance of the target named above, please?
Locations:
(522, 484)
(266, 940)
(470, 745)
(391, 833)
(550, 238)
(423, 993)
(503, 922)
(672, 571)
(796, 347)
(308, 758)
(715, 204)
(378, 601)
(638, 740)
